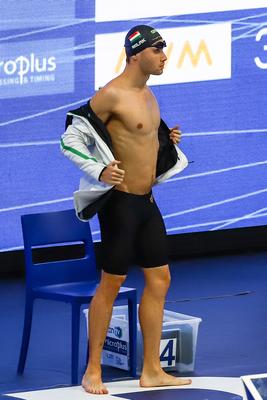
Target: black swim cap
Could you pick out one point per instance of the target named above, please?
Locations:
(140, 37)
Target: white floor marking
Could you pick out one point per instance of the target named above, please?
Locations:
(229, 385)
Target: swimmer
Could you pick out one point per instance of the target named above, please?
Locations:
(126, 115)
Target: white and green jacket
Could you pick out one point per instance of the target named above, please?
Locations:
(87, 143)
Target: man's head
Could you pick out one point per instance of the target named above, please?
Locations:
(141, 37)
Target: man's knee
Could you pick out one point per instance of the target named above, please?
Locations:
(158, 279)
(164, 279)
(110, 283)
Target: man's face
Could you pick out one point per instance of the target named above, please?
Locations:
(152, 59)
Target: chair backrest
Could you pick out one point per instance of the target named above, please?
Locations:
(49, 229)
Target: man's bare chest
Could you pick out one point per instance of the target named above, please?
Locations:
(139, 115)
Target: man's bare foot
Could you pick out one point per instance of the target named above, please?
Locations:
(160, 378)
(93, 384)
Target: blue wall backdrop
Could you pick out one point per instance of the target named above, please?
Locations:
(47, 67)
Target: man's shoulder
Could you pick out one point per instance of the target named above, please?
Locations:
(108, 93)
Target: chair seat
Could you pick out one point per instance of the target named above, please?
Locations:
(79, 291)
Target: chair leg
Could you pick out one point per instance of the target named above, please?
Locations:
(87, 353)
(26, 334)
(132, 318)
(87, 347)
(75, 338)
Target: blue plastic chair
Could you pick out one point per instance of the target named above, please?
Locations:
(73, 281)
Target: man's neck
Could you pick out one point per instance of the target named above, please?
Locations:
(134, 78)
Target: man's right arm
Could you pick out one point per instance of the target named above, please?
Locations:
(104, 105)
(74, 145)
(75, 141)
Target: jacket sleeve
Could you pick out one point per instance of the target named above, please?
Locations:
(75, 144)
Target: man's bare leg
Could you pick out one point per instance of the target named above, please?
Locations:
(99, 317)
(150, 317)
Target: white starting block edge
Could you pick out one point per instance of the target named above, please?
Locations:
(225, 384)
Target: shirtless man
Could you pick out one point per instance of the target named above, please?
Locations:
(130, 220)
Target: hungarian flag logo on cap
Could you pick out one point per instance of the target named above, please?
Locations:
(134, 36)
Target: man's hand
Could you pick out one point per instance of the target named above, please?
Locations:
(112, 174)
(175, 134)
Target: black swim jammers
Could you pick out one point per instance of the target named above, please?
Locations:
(132, 228)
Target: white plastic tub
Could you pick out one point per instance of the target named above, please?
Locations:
(177, 347)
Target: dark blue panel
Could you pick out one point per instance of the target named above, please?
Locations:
(180, 394)
(4, 397)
